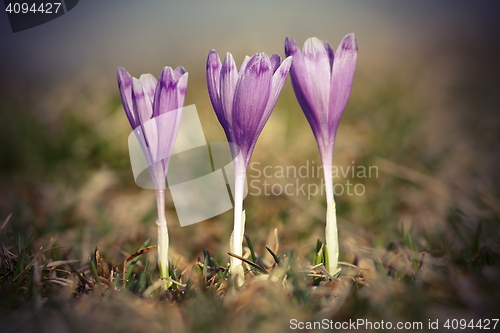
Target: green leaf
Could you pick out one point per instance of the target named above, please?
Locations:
(93, 270)
(319, 253)
(250, 246)
(325, 257)
(142, 278)
(205, 263)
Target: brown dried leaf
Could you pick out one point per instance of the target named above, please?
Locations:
(103, 269)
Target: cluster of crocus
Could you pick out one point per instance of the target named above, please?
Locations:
(154, 110)
(243, 101)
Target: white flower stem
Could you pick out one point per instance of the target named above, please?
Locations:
(331, 232)
(236, 243)
(162, 234)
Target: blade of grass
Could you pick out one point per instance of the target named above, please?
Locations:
(325, 255)
(250, 246)
(319, 253)
(205, 263)
(93, 270)
(274, 255)
(259, 268)
(142, 278)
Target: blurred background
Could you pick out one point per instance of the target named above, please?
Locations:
(424, 110)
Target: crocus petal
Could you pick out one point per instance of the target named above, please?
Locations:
(168, 128)
(155, 169)
(341, 79)
(178, 72)
(317, 64)
(169, 100)
(150, 130)
(243, 66)
(275, 61)
(142, 103)
(228, 82)
(250, 100)
(148, 82)
(166, 93)
(279, 78)
(181, 90)
(329, 51)
(301, 86)
(125, 87)
(213, 82)
(144, 110)
(168, 103)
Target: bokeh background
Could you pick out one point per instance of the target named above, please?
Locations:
(424, 109)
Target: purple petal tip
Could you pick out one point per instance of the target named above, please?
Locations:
(180, 69)
(137, 88)
(182, 85)
(259, 64)
(349, 42)
(122, 74)
(228, 62)
(213, 60)
(287, 63)
(167, 78)
(290, 46)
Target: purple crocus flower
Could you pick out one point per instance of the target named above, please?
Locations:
(154, 110)
(322, 81)
(243, 101)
